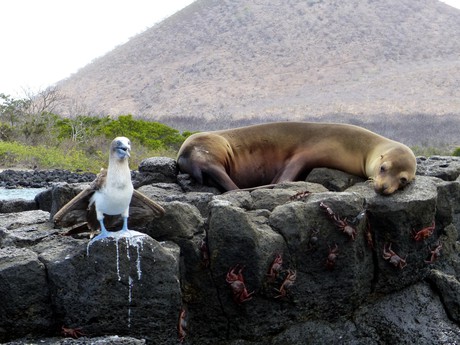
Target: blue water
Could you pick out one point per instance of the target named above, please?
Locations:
(20, 193)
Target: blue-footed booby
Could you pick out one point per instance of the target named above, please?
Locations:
(114, 192)
(110, 194)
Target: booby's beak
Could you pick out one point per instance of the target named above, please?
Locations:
(123, 151)
(122, 147)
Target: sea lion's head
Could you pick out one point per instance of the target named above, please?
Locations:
(394, 169)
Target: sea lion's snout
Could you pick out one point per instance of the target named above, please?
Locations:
(384, 188)
(395, 170)
(387, 182)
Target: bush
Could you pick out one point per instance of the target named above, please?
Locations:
(81, 128)
(13, 154)
(152, 135)
(456, 152)
(428, 151)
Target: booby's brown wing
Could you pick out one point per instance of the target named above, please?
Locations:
(76, 210)
(140, 200)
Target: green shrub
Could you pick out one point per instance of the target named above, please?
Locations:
(456, 152)
(13, 154)
(428, 151)
(6, 131)
(80, 128)
(152, 135)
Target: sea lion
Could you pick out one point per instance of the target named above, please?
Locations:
(271, 153)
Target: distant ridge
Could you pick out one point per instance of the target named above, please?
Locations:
(282, 59)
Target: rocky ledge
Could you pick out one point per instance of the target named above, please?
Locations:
(11, 178)
(321, 261)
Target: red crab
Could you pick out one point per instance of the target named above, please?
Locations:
(435, 253)
(423, 234)
(342, 224)
(393, 258)
(236, 280)
(182, 325)
(287, 283)
(72, 332)
(332, 257)
(275, 268)
(300, 195)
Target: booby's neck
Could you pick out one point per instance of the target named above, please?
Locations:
(118, 173)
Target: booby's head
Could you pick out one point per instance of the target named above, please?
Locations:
(120, 148)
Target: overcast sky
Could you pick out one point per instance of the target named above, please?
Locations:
(45, 41)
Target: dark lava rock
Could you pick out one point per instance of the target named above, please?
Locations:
(444, 167)
(41, 178)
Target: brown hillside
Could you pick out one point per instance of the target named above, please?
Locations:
(233, 59)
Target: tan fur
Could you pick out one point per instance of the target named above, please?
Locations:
(287, 151)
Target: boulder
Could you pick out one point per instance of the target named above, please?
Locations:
(27, 219)
(172, 192)
(181, 220)
(394, 221)
(17, 205)
(449, 289)
(282, 193)
(411, 316)
(311, 236)
(444, 167)
(124, 287)
(117, 287)
(155, 170)
(61, 194)
(333, 180)
(25, 296)
(190, 185)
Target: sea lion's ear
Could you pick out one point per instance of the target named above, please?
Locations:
(403, 181)
(381, 156)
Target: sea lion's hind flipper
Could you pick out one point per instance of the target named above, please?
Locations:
(220, 177)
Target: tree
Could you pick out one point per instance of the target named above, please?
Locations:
(11, 110)
(43, 101)
(38, 119)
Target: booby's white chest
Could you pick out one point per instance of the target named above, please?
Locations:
(115, 195)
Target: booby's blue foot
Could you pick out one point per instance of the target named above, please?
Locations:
(125, 232)
(104, 234)
(130, 235)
